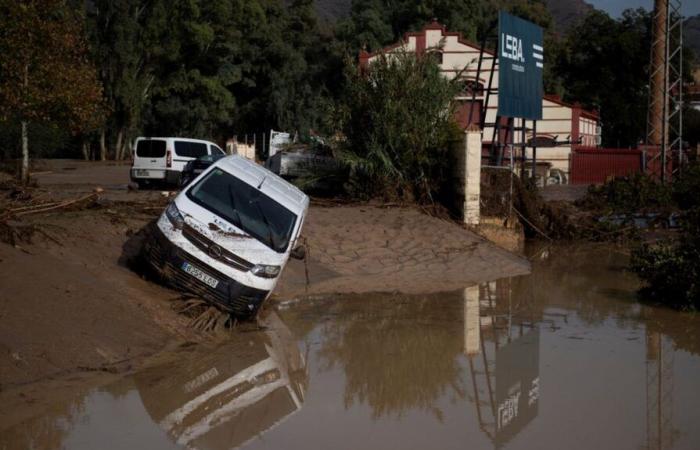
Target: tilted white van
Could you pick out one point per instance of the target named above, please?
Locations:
(228, 234)
(164, 158)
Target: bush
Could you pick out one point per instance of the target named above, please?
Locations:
(672, 269)
(399, 128)
(635, 193)
(686, 189)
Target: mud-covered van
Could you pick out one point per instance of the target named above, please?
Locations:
(163, 159)
(227, 236)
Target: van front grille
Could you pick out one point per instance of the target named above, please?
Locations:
(167, 260)
(214, 250)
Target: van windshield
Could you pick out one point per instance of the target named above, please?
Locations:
(245, 207)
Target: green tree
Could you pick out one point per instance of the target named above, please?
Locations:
(45, 75)
(291, 63)
(400, 127)
(603, 67)
(125, 42)
(195, 66)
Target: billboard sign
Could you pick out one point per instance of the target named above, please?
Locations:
(520, 65)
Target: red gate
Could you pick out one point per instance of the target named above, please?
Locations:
(596, 165)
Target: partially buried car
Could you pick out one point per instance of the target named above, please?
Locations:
(227, 235)
(195, 167)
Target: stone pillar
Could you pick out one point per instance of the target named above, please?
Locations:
(472, 329)
(472, 176)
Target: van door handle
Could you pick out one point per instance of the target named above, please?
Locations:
(153, 160)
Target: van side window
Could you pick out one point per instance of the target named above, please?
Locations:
(150, 148)
(190, 149)
(216, 150)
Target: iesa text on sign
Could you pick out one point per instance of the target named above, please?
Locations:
(520, 62)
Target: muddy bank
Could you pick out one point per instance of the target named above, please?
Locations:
(356, 249)
(71, 303)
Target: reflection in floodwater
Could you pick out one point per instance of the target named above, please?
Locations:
(395, 360)
(227, 397)
(563, 358)
(661, 432)
(408, 357)
(207, 398)
(503, 350)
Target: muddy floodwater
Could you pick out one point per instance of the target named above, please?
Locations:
(564, 358)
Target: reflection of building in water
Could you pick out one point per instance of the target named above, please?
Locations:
(502, 347)
(233, 394)
(659, 391)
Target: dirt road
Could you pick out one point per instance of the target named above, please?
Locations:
(70, 303)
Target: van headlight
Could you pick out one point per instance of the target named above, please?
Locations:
(265, 271)
(174, 216)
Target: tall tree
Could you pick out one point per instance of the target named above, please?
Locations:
(123, 44)
(604, 67)
(45, 75)
(197, 66)
(400, 127)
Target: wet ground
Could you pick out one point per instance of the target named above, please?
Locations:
(562, 358)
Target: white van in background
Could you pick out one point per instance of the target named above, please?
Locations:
(163, 158)
(228, 234)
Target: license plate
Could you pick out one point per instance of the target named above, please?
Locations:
(198, 274)
(142, 173)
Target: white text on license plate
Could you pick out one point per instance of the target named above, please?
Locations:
(198, 274)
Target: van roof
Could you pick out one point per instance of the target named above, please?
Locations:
(173, 137)
(271, 184)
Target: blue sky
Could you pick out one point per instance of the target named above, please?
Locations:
(615, 7)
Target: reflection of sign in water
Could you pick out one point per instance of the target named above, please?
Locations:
(520, 65)
(517, 385)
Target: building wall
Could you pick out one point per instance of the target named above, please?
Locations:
(461, 58)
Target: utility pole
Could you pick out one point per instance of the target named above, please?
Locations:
(664, 136)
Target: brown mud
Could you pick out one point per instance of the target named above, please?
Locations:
(70, 303)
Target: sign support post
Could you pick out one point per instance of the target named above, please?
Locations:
(520, 87)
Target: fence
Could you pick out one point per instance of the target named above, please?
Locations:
(596, 165)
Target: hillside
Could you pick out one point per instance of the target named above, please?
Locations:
(333, 9)
(567, 12)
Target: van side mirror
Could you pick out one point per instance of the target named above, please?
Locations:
(299, 252)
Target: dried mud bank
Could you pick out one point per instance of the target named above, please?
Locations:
(357, 249)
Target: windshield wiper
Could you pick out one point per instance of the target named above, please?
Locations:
(270, 234)
(233, 205)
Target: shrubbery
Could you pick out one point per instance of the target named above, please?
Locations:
(399, 128)
(671, 269)
(631, 194)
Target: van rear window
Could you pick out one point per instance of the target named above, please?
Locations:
(150, 148)
(190, 149)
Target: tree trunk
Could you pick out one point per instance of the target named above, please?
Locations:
(119, 150)
(86, 150)
(25, 153)
(24, 173)
(103, 146)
